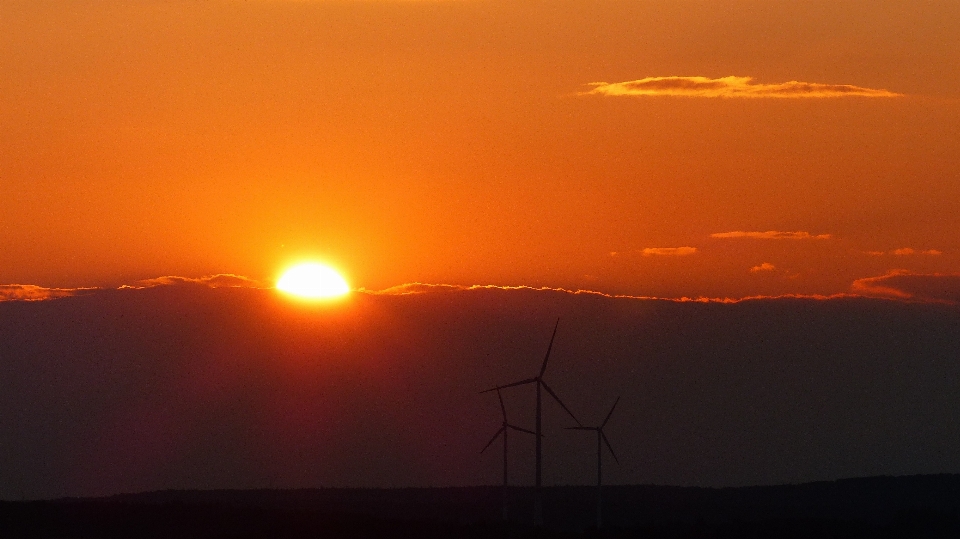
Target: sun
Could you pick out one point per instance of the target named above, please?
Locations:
(313, 281)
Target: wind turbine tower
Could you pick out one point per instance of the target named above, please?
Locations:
(538, 380)
(601, 437)
(504, 429)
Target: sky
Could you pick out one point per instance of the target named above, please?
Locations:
(654, 148)
(744, 214)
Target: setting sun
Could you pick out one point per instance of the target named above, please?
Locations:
(313, 281)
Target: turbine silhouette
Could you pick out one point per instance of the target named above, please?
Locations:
(504, 430)
(538, 380)
(603, 437)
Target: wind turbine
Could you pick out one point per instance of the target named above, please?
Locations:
(601, 436)
(538, 380)
(504, 430)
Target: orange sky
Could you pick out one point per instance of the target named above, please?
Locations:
(462, 142)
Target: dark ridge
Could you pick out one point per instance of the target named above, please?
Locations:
(910, 506)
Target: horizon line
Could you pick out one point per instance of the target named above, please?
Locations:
(35, 293)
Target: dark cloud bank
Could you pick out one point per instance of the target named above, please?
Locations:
(194, 387)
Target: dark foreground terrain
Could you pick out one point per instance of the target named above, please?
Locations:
(916, 506)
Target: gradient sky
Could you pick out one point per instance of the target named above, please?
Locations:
(471, 142)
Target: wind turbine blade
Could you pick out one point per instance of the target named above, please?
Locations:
(521, 429)
(556, 398)
(544, 367)
(604, 424)
(495, 436)
(502, 407)
(610, 447)
(520, 383)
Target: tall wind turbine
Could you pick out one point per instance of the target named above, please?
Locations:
(504, 430)
(538, 380)
(603, 437)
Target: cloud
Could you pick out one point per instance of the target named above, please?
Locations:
(407, 289)
(669, 251)
(909, 286)
(907, 251)
(20, 292)
(29, 292)
(872, 287)
(658, 251)
(427, 288)
(771, 235)
(766, 266)
(220, 280)
(741, 87)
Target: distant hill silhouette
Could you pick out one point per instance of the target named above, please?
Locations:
(915, 506)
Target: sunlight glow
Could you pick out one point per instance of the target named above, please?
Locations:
(313, 281)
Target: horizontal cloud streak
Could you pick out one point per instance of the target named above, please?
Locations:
(220, 280)
(669, 251)
(427, 288)
(900, 284)
(909, 286)
(731, 87)
(771, 235)
(907, 251)
(29, 292)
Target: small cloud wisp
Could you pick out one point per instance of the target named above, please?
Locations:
(220, 280)
(29, 292)
(731, 87)
(669, 251)
(908, 286)
(906, 251)
(771, 235)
